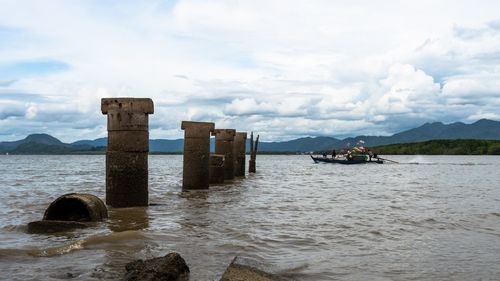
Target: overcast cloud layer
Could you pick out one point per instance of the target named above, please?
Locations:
(285, 69)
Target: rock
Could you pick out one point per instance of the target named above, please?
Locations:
(46, 226)
(171, 267)
(237, 271)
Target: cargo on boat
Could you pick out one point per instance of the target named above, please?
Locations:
(356, 155)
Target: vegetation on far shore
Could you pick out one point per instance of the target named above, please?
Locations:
(432, 147)
(442, 147)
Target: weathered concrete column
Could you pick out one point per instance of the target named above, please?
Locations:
(127, 152)
(224, 139)
(253, 153)
(239, 150)
(216, 168)
(195, 173)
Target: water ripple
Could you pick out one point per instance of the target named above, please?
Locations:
(438, 220)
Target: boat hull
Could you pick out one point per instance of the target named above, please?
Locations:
(344, 162)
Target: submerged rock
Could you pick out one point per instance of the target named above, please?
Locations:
(171, 267)
(238, 271)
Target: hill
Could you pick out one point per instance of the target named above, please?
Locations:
(34, 148)
(481, 130)
(44, 139)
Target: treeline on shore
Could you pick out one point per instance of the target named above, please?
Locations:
(432, 147)
(442, 147)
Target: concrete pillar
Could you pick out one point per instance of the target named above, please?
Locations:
(195, 173)
(127, 151)
(224, 139)
(251, 166)
(239, 150)
(253, 153)
(216, 168)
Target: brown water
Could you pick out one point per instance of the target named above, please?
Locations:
(438, 220)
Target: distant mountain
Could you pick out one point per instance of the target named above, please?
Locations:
(45, 139)
(160, 145)
(483, 129)
(33, 148)
(302, 144)
(91, 143)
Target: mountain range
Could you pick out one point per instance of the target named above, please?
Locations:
(483, 129)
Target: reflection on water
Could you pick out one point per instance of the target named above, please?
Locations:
(123, 219)
(435, 220)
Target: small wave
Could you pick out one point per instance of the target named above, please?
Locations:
(15, 228)
(488, 215)
(89, 242)
(55, 251)
(198, 194)
(8, 253)
(463, 164)
(344, 226)
(375, 232)
(114, 238)
(293, 272)
(466, 164)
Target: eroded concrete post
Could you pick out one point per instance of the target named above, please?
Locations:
(253, 153)
(195, 174)
(127, 151)
(239, 150)
(216, 168)
(224, 139)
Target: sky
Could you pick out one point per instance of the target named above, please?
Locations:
(284, 69)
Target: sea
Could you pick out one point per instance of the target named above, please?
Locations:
(423, 218)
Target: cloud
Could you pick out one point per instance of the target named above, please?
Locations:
(11, 110)
(475, 88)
(6, 83)
(319, 68)
(248, 106)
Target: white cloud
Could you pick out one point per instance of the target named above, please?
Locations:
(248, 106)
(300, 68)
(473, 87)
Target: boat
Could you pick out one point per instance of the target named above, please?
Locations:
(346, 161)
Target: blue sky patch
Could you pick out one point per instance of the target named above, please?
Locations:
(24, 69)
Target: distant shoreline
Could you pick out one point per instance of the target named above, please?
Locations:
(432, 147)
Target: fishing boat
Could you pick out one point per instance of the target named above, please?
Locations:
(345, 161)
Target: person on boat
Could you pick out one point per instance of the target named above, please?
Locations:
(334, 154)
(370, 154)
(349, 155)
(324, 154)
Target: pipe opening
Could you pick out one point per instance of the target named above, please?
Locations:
(68, 209)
